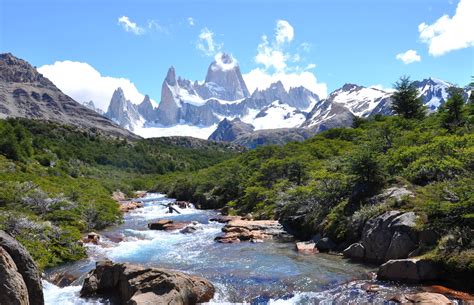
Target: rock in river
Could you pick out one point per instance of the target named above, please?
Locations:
(409, 270)
(167, 225)
(134, 284)
(237, 230)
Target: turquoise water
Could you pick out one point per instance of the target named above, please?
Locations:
(255, 273)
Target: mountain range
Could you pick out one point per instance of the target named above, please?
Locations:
(221, 105)
(261, 117)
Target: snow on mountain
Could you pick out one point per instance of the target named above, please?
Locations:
(433, 92)
(275, 115)
(176, 130)
(361, 101)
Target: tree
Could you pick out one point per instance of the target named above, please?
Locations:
(452, 115)
(369, 173)
(405, 101)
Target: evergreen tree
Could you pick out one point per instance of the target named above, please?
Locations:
(452, 110)
(405, 101)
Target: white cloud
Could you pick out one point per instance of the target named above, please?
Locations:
(450, 33)
(130, 26)
(229, 63)
(276, 59)
(206, 43)
(284, 32)
(271, 56)
(261, 79)
(155, 25)
(84, 83)
(409, 57)
(191, 21)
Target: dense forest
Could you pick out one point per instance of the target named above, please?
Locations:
(56, 181)
(326, 185)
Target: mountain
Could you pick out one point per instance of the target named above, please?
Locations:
(24, 92)
(359, 100)
(123, 112)
(433, 92)
(92, 106)
(230, 130)
(223, 94)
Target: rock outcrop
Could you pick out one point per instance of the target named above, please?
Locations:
(26, 93)
(238, 229)
(230, 130)
(134, 284)
(20, 280)
(391, 235)
(409, 270)
(13, 287)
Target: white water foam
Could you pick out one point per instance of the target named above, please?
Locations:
(69, 295)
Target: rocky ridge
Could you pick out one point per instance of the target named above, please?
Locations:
(26, 93)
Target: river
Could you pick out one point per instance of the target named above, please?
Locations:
(254, 273)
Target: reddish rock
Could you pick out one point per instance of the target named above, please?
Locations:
(466, 297)
(167, 225)
(306, 247)
(225, 219)
(422, 298)
(91, 237)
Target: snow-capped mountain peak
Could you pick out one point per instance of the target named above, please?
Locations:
(361, 101)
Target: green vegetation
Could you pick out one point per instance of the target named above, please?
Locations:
(325, 184)
(56, 181)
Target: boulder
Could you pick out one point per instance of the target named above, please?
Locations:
(183, 204)
(13, 288)
(167, 225)
(250, 230)
(306, 247)
(25, 266)
(422, 298)
(395, 193)
(325, 244)
(391, 235)
(412, 270)
(191, 228)
(355, 251)
(91, 237)
(134, 284)
(128, 206)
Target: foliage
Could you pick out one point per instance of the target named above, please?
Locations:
(405, 100)
(56, 181)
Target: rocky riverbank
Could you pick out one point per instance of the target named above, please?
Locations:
(134, 284)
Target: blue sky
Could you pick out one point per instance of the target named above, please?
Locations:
(346, 40)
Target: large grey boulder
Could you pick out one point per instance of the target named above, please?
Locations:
(355, 251)
(134, 284)
(391, 235)
(13, 288)
(26, 267)
(409, 270)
